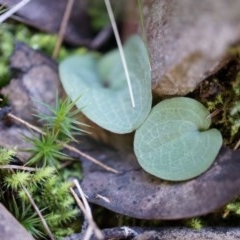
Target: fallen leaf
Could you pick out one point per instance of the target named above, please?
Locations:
(165, 233)
(136, 193)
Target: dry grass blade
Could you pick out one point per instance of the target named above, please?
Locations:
(84, 206)
(29, 169)
(237, 145)
(39, 214)
(88, 233)
(63, 28)
(73, 149)
(120, 48)
(82, 154)
(14, 9)
(47, 229)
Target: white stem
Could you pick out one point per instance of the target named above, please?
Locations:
(14, 9)
(115, 30)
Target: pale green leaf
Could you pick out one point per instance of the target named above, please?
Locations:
(174, 143)
(103, 86)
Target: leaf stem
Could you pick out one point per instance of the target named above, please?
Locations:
(63, 27)
(39, 214)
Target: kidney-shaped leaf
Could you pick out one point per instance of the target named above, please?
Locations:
(175, 143)
(104, 89)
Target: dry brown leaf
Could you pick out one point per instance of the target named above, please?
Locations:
(135, 193)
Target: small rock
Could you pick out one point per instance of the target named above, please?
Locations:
(188, 40)
(10, 228)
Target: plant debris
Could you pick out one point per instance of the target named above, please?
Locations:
(47, 15)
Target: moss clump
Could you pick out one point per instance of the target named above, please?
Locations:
(46, 183)
(221, 95)
(11, 32)
(49, 192)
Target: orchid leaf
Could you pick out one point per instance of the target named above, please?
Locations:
(104, 89)
(175, 142)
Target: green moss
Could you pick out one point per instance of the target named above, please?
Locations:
(11, 32)
(195, 223)
(47, 184)
(98, 14)
(50, 194)
(221, 95)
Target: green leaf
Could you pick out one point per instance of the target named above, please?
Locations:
(104, 89)
(175, 142)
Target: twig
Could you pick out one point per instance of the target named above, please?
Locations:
(84, 206)
(105, 199)
(85, 202)
(39, 214)
(25, 123)
(237, 145)
(45, 226)
(63, 27)
(120, 47)
(14, 9)
(73, 149)
(213, 114)
(88, 233)
(30, 169)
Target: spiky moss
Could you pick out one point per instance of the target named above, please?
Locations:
(49, 192)
(221, 95)
(47, 184)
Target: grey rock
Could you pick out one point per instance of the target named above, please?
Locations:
(188, 40)
(10, 228)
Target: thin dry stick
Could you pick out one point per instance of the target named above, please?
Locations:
(73, 149)
(88, 233)
(63, 27)
(14, 9)
(213, 114)
(47, 229)
(120, 47)
(86, 211)
(85, 202)
(29, 169)
(237, 145)
(38, 212)
(36, 129)
(81, 206)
